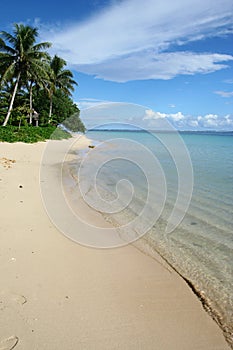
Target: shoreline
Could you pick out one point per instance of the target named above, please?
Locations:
(215, 298)
(57, 294)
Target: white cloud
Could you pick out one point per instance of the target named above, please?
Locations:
(84, 103)
(193, 123)
(149, 114)
(126, 113)
(177, 116)
(210, 122)
(187, 122)
(140, 66)
(126, 41)
(225, 94)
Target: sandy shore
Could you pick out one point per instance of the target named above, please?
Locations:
(58, 295)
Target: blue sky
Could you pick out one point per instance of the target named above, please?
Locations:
(174, 57)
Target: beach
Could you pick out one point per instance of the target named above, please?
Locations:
(58, 294)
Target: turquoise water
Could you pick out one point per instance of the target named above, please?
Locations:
(201, 247)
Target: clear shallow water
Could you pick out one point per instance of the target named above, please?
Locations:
(201, 247)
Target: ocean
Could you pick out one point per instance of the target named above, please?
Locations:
(198, 166)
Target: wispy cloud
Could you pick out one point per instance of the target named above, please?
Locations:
(225, 94)
(140, 66)
(128, 40)
(228, 81)
(84, 103)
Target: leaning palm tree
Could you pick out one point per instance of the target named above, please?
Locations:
(60, 78)
(19, 56)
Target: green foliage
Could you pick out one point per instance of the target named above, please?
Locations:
(74, 123)
(59, 134)
(41, 105)
(60, 78)
(21, 59)
(5, 95)
(30, 80)
(30, 134)
(63, 107)
(21, 113)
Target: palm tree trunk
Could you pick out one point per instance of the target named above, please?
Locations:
(12, 101)
(50, 108)
(30, 103)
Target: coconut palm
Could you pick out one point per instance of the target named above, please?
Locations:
(60, 78)
(38, 78)
(20, 56)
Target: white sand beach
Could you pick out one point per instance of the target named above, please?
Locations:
(58, 295)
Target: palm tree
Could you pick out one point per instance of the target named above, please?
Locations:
(21, 57)
(60, 78)
(38, 78)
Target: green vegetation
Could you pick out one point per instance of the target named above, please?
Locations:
(30, 134)
(74, 123)
(35, 89)
(59, 79)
